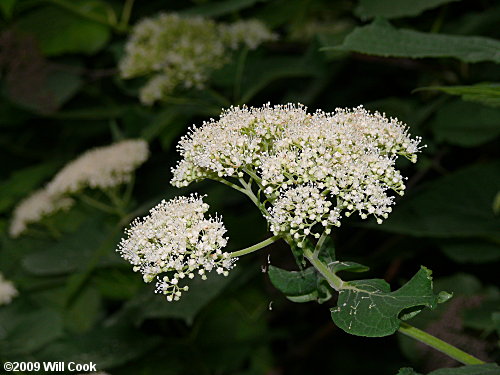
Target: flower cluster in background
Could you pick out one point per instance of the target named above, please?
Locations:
(99, 168)
(7, 291)
(345, 159)
(178, 240)
(173, 51)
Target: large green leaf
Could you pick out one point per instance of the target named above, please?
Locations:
(24, 329)
(149, 305)
(396, 9)
(382, 39)
(72, 253)
(20, 183)
(486, 369)
(456, 205)
(369, 308)
(298, 286)
(484, 93)
(471, 251)
(105, 346)
(466, 124)
(59, 31)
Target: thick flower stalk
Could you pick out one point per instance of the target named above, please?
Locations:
(34, 208)
(312, 169)
(173, 51)
(7, 291)
(178, 241)
(100, 168)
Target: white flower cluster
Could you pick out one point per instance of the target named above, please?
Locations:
(182, 51)
(34, 208)
(311, 167)
(176, 239)
(99, 168)
(7, 291)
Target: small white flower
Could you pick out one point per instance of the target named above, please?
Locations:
(7, 291)
(100, 168)
(176, 239)
(34, 208)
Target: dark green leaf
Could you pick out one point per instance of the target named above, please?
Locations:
(486, 369)
(471, 251)
(369, 308)
(396, 9)
(456, 205)
(382, 39)
(84, 312)
(220, 8)
(7, 7)
(105, 346)
(407, 371)
(294, 283)
(25, 329)
(484, 93)
(59, 31)
(22, 182)
(466, 124)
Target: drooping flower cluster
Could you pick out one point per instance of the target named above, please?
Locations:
(7, 291)
(99, 168)
(177, 51)
(34, 208)
(177, 240)
(312, 167)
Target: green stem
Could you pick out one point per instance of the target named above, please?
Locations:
(239, 75)
(439, 345)
(335, 282)
(255, 247)
(96, 204)
(126, 12)
(320, 243)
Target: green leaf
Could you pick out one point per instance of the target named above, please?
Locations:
(7, 8)
(486, 369)
(24, 329)
(396, 9)
(83, 314)
(484, 93)
(456, 205)
(106, 346)
(59, 31)
(20, 183)
(382, 39)
(149, 305)
(348, 266)
(471, 251)
(466, 124)
(294, 283)
(220, 8)
(71, 253)
(369, 308)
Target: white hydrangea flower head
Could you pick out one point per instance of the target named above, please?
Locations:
(101, 167)
(34, 208)
(175, 51)
(176, 239)
(7, 291)
(346, 158)
(250, 33)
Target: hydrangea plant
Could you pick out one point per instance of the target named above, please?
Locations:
(305, 172)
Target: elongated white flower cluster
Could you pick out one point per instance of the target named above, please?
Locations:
(176, 239)
(177, 51)
(337, 163)
(34, 208)
(7, 291)
(101, 167)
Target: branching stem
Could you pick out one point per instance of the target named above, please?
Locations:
(255, 247)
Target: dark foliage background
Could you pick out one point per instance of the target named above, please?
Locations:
(61, 95)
